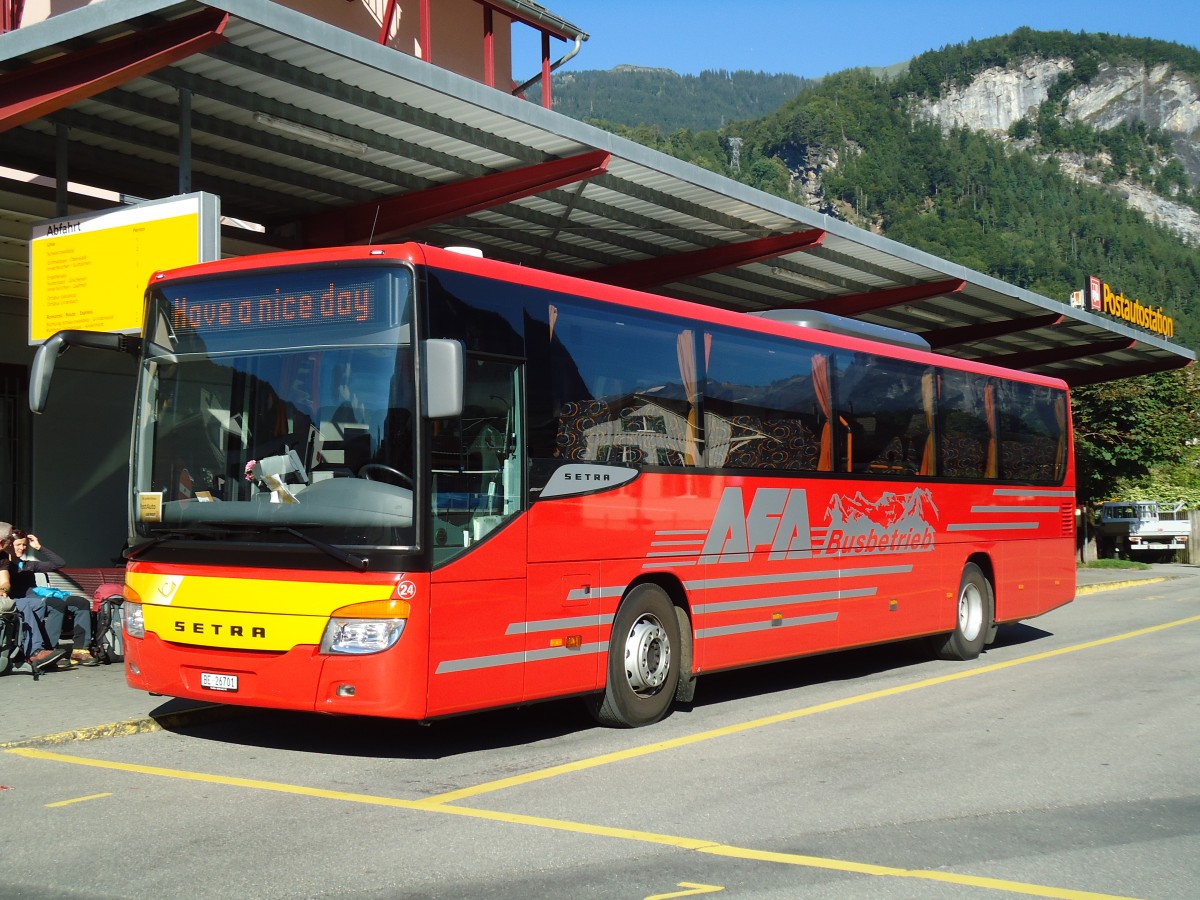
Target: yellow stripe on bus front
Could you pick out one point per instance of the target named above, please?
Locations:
(252, 595)
(243, 613)
(232, 630)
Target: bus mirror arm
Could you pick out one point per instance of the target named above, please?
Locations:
(58, 343)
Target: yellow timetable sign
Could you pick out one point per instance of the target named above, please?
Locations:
(90, 272)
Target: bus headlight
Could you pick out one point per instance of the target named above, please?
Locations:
(362, 628)
(361, 635)
(132, 621)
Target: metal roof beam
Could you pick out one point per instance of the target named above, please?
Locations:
(526, 222)
(288, 148)
(395, 215)
(35, 91)
(659, 270)
(168, 146)
(862, 266)
(111, 170)
(410, 115)
(545, 239)
(1033, 358)
(857, 304)
(967, 334)
(360, 98)
(256, 103)
(1131, 370)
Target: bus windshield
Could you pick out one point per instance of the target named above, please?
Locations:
(279, 400)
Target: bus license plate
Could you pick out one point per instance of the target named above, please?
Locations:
(215, 682)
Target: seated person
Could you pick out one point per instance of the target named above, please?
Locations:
(23, 574)
(35, 646)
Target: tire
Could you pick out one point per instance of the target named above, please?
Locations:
(975, 611)
(643, 661)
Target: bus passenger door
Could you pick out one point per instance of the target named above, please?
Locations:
(476, 645)
(479, 545)
(562, 629)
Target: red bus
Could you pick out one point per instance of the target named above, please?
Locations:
(408, 482)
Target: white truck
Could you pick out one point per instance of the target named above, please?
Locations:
(1143, 527)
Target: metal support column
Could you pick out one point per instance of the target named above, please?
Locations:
(61, 136)
(185, 141)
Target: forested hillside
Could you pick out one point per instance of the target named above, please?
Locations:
(633, 95)
(875, 152)
(968, 197)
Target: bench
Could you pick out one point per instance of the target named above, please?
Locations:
(84, 581)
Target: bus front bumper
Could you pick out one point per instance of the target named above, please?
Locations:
(300, 679)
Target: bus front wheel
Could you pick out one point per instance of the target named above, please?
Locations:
(643, 661)
(974, 618)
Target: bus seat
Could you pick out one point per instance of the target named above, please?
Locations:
(575, 419)
(1027, 459)
(344, 444)
(772, 443)
(963, 456)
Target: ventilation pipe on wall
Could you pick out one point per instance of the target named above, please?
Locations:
(579, 39)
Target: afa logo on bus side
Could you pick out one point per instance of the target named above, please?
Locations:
(778, 519)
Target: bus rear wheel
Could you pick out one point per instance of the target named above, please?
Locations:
(643, 661)
(974, 617)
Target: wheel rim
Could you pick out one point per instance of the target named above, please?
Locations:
(647, 656)
(970, 611)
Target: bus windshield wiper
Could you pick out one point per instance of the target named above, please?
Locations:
(359, 563)
(355, 562)
(135, 552)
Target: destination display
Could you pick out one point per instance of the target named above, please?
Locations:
(280, 300)
(337, 303)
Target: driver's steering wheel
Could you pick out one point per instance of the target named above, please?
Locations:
(396, 475)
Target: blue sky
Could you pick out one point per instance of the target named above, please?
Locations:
(811, 38)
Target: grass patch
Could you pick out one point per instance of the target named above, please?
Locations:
(1116, 564)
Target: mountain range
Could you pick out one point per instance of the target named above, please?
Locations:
(638, 95)
(1037, 157)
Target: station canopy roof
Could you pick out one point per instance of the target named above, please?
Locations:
(325, 137)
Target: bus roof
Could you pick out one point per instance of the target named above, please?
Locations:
(831, 330)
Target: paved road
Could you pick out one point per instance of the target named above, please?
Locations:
(1060, 763)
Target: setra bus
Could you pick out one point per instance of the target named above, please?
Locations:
(407, 482)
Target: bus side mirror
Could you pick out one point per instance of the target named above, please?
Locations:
(43, 371)
(443, 378)
(57, 344)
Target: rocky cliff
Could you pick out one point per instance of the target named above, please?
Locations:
(997, 98)
(1158, 97)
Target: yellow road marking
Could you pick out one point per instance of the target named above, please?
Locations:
(33, 753)
(686, 740)
(995, 884)
(692, 890)
(77, 800)
(647, 837)
(440, 803)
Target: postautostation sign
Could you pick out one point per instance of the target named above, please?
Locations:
(1102, 298)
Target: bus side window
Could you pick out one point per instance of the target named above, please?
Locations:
(762, 406)
(968, 430)
(1031, 425)
(606, 410)
(883, 404)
